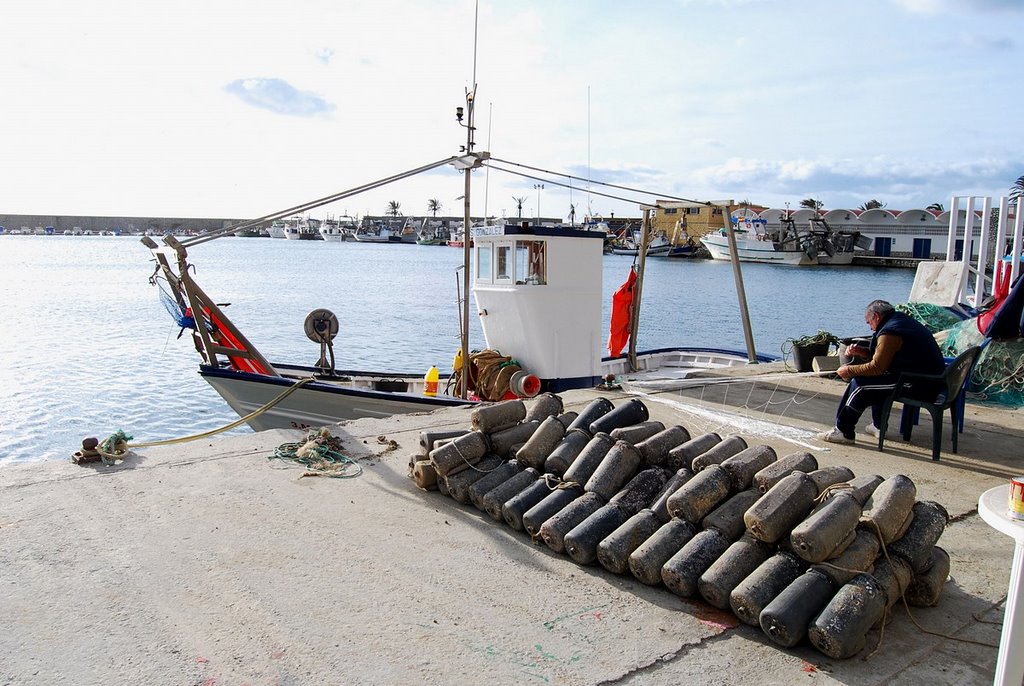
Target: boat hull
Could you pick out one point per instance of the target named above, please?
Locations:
(325, 402)
(755, 251)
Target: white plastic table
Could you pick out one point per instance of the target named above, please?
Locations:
(992, 506)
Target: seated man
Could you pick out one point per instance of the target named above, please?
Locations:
(900, 344)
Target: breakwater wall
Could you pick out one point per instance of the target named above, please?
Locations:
(127, 225)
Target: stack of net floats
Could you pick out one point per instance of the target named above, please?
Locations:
(801, 551)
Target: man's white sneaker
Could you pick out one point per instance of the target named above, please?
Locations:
(836, 436)
(871, 430)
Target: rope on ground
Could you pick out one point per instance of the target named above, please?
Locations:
(117, 445)
(320, 454)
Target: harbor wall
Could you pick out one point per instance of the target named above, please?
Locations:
(126, 225)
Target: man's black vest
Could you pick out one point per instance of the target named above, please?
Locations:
(919, 353)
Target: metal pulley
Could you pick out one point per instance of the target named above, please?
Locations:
(321, 326)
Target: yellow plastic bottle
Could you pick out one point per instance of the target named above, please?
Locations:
(430, 382)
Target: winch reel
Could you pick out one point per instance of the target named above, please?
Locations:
(321, 326)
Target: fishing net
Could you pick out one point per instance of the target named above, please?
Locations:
(935, 317)
(999, 373)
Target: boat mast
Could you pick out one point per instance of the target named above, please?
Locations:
(466, 223)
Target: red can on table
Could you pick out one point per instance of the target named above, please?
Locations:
(1015, 508)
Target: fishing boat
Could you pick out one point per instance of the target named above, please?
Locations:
(338, 229)
(818, 243)
(277, 229)
(532, 285)
(630, 245)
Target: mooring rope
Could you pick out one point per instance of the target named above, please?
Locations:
(118, 444)
(320, 454)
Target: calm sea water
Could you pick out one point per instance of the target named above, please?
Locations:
(88, 348)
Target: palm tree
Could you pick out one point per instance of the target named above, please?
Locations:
(1017, 189)
(872, 205)
(812, 204)
(519, 204)
(938, 207)
(394, 208)
(434, 206)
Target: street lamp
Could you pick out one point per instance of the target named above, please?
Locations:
(539, 187)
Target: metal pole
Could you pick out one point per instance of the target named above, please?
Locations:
(466, 252)
(741, 294)
(638, 289)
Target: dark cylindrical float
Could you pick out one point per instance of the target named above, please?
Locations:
(583, 467)
(738, 561)
(618, 466)
(499, 476)
(816, 537)
(637, 433)
(595, 409)
(840, 628)
(582, 541)
(466, 450)
(427, 438)
(682, 570)
(682, 456)
(829, 476)
(543, 441)
(543, 406)
(492, 417)
(784, 466)
(728, 517)
(915, 546)
(458, 484)
(613, 552)
(784, 620)
(858, 557)
(674, 483)
(567, 419)
(503, 443)
(518, 505)
(566, 451)
(553, 531)
(639, 491)
(894, 575)
(647, 560)
(925, 588)
(654, 450)
(889, 505)
(781, 508)
(761, 586)
(424, 475)
(633, 411)
(701, 494)
(862, 487)
(495, 499)
(553, 503)
(746, 463)
(719, 453)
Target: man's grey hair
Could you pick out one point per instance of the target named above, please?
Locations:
(880, 307)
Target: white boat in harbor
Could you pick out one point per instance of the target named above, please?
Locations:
(659, 245)
(338, 229)
(277, 229)
(788, 245)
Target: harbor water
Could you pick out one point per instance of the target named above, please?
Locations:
(89, 348)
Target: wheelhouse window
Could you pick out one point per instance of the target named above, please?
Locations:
(503, 263)
(483, 262)
(531, 263)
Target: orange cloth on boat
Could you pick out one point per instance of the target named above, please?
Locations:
(622, 302)
(879, 363)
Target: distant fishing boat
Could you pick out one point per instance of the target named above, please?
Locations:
(817, 244)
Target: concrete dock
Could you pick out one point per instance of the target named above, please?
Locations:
(208, 563)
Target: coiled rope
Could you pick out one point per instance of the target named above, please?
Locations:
(117, 445)
(320, 454)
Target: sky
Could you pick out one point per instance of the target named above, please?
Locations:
(227, 108)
